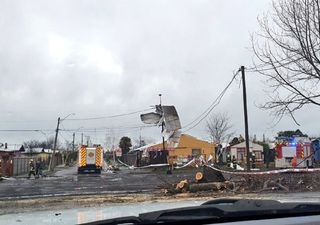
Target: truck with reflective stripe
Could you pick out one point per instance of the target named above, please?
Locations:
(90, 159)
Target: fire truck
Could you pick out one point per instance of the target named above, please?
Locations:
(90, 159)
(293, 152)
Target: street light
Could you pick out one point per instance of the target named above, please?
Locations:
(71, 114)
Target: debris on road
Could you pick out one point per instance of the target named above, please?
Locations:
(205, 180)
(213, 186)
(210, 180)
(182, 186)
(285, 182)
(199, 177)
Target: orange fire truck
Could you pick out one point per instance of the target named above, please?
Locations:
(90, 159)
(293, 153)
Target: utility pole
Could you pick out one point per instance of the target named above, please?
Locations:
(73, 137)
(162, 127)
(140, 140)
(51, 165)
(88, 140)
(81, 138)
(245, 110)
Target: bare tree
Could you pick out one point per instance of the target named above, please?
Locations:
(287, 53)
(219, 127)
(41, 144)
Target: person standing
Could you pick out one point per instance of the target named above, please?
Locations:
(234, 162)
(228, 160)
(31, 169)
(38, 168)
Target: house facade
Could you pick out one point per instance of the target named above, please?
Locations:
(189, 147)
(239, 152)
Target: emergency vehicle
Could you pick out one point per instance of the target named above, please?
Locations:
(90, 159)
(293, 152)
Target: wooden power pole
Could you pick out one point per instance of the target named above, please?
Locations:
(245, 110)
(52, 160)
(73, 137)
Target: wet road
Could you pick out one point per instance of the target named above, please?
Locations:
(89, 214)
(68, 182)
(78, 215)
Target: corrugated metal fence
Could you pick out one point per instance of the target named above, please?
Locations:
(16, 166)
(21, 165)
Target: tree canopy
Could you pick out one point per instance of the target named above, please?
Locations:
(125, 144)
(48, 144)
(291, 133)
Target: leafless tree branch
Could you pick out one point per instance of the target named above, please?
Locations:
(287, 52)
(219, 127)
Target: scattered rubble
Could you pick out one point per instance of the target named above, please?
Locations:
(284, 182)
(213, 181)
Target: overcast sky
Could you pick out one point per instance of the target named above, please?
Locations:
(100, 58)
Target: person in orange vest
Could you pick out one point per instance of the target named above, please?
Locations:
(294, 162)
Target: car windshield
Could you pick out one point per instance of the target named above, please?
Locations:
(118, 108)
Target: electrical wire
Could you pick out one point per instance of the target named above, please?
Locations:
(105, 129)
(202, 116)
(60, 134)
(26, 130)
(109, 117)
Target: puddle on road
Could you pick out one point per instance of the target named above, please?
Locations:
(88, 214)
(116, 179)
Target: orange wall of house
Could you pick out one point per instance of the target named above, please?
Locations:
(187, 143)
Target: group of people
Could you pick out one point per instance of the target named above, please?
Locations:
(235, 162)
(35, 169)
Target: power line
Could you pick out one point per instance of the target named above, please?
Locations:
(105, 129)
(75, 119)
(203, 115)
(63, 137)
(26, 130)
(112, 116)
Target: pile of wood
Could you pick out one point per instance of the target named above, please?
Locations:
(182, 186)
(212, 186)
(203, 181)
(247, 183)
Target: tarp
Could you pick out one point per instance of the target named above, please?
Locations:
(171, 118)
(167, 117)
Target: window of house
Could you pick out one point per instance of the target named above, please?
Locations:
(196, 152)
(258, 155)
(240, 156)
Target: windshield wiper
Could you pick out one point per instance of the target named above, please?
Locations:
(120, 220)
(220, 210)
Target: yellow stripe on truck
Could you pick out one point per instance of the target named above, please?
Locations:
(83, 156)
(98, 156)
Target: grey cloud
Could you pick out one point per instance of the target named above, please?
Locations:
(108, 57)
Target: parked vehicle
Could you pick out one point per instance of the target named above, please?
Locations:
(90, 159)
(293, 153)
